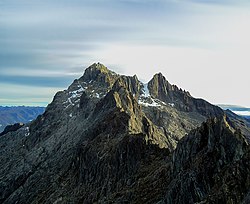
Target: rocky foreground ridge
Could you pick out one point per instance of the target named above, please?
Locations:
(112, 139)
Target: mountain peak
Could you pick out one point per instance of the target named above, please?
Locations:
(158, 75)
(98, 66)
(160, 88)
(95, 69)
(100, 74)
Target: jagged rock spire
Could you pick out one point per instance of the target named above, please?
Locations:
(160, 88)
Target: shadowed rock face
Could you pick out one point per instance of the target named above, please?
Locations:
(106, 139)
(11, 128)
(212, 164)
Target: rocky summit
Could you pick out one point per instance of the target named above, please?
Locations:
(110, 138)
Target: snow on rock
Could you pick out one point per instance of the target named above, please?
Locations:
(146, 100)
(171, 104)
(26, 131)
(69, 100)
(153, 103)
(78, 100)
(76, 93)
(74, 96)
(97, 95)
(145, 91)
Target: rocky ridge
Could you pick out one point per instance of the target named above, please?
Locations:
(11, 128)
(213, 163)
(111, 138)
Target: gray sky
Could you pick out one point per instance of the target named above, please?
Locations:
(200, 45)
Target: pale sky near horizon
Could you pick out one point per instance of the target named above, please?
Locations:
(200, 45)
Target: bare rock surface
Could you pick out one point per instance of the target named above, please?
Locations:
(112, 139)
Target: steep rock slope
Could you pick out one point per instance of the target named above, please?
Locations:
(107, 138)
(212, 165)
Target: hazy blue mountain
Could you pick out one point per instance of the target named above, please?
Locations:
(239, 110)
(18, 114)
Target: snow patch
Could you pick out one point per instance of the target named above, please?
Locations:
(70, 115)
(78, 100)
(79, 85)
(69, 100)
(153, 104)
(76, 93)
(70, 103)
(145, 90)
(97, 95)
(26, 131)
(146, 99)
(171, 104)
(67, 106)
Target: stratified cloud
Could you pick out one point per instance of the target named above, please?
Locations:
(37, 80)
(48, 43)
(12, 94)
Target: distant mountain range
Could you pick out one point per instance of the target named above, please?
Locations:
(18, 114)
(110, 138)
(239, 110)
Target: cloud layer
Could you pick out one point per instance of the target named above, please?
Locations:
(202, 46)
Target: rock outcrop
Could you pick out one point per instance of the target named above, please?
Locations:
(11, 128)
(212, 165)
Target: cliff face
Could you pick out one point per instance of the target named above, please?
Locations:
(110, 138)
(211, 163)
